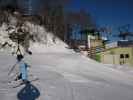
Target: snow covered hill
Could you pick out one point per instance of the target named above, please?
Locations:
(43, 40)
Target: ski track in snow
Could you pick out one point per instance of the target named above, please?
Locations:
(68, 76)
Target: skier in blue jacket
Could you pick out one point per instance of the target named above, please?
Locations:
(23, 69)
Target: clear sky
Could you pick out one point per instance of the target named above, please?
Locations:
(112, 13)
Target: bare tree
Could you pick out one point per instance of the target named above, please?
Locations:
(53, 17)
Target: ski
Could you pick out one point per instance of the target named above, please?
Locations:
(24, 83)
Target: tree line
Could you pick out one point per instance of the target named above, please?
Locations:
(54, 16)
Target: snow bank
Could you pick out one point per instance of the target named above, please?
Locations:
(44, 41)
(49, 42)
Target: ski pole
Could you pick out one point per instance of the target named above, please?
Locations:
(12, 69)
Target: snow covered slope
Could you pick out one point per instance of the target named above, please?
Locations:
(43, 40)
(66, 76)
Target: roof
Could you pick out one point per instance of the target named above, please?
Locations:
(125, 43)
(108, 49)
(118, 44)
(121, 43)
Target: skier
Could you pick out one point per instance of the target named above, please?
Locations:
(23, 75)
(19, 72)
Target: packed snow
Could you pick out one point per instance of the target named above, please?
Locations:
(66, 76)
(63, 75)
(124, 68)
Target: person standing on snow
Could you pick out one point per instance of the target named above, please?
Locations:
(23, 75)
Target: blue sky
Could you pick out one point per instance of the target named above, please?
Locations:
(112, 13)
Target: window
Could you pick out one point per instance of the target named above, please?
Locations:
(124, 58)
(121, 55)
(126, 55)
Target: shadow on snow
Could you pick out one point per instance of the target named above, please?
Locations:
(29, 92)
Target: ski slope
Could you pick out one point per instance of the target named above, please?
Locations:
(66, 76)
